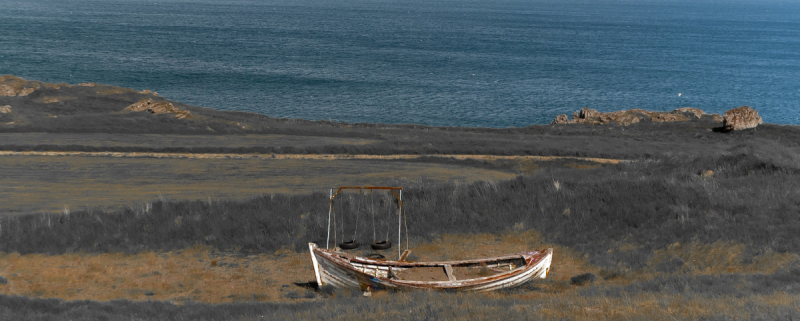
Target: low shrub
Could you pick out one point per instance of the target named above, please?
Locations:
(647, 203)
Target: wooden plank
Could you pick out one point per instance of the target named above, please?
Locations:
(405, 255)
(449, 270)
(393, 275)
(434, 263)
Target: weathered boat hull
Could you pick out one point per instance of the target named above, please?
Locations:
(343, 270)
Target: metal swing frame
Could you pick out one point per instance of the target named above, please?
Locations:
(398, 194)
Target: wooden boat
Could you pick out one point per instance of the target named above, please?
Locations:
(340, 269)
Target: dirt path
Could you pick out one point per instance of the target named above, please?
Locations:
(307, 156)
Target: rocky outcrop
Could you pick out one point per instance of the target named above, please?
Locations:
(587, 113)
(694, 111)
(148, 92)
(741, 118)
(158, 107)
(632, 116)
(561, 119)
(5, 109)
(11, 86)
(11, 91)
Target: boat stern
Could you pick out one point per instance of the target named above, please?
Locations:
(311, 247)
(540, 261)
(546, 261)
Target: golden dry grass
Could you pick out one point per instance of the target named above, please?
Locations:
(201, 274)
(721, 258)
(566, 262)
(194, 274)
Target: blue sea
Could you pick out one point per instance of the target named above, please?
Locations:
(499, 63)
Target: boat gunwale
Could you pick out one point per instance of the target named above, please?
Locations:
(456, 263)
(530, 263)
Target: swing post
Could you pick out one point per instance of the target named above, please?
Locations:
(399, 211)
(330, 209)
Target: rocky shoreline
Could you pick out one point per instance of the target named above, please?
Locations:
(27, 105)
(738, 118)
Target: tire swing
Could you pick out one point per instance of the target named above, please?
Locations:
(349, 245)
(352, 243)
(381, 245)
(378, 245)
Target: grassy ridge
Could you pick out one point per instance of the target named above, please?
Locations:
(648, 203)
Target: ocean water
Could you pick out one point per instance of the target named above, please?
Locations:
(452, 62)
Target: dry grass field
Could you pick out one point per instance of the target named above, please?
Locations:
(203, 274)
(202, 277)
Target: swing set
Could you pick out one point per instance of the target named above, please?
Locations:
(337, 268)
(353, 243)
